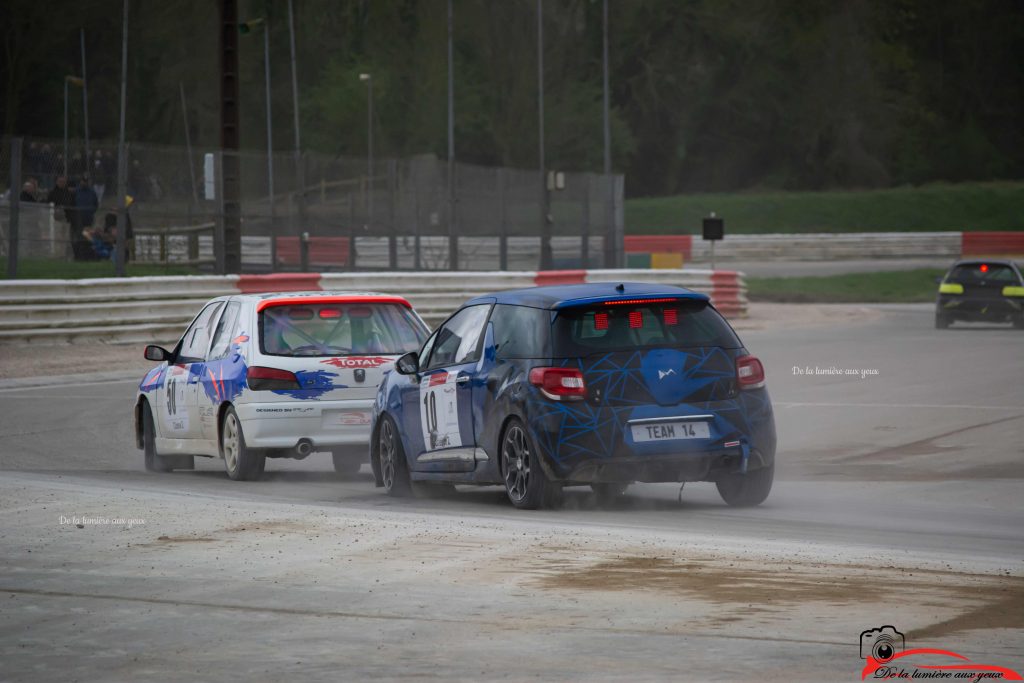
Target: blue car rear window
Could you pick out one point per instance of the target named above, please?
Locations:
(521, 331)
(581, 331)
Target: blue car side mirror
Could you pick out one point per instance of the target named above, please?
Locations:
(409, 364)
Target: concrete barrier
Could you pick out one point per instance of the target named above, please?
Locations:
(158, 308)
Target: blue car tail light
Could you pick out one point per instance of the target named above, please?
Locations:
(749, 372)
(559, 384)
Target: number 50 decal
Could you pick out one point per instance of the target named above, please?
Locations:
(439, 411)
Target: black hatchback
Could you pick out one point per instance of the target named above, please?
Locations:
(981, 291)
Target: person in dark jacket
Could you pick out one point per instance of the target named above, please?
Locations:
(86, 203)
(63, 197)
(28, 191)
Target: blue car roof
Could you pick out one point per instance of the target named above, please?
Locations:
(560, 296)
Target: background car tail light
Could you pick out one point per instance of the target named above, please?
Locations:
(671, 316)
(600, 321)
(271, 379)
(749, 372)
(636, 319)
(559, 384)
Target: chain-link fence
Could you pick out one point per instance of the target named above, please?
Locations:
(344, 214)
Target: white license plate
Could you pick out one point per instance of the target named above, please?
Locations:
(668, 431)
(346, 418)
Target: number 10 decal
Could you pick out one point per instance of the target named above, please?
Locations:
(439, 411)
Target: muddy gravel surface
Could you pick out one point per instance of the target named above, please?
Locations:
(897, 502)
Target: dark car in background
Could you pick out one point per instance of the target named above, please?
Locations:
(981, 291)
(595, 384)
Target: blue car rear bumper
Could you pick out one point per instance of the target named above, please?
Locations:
(583, 443)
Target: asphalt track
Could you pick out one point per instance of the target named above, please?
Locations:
(897, 501)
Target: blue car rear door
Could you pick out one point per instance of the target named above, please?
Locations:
(443, 398)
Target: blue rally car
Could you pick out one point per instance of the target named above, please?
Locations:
(596, 384)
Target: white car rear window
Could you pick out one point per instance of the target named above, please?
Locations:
(339, 329)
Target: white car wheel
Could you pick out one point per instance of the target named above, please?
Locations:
(241, 463)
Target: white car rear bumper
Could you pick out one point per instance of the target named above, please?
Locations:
(325, 423)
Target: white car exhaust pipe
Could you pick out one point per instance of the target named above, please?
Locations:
(303, 448)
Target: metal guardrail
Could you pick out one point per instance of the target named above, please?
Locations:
(142, 247)
(478, 253)
(157, 308)
(831, 246)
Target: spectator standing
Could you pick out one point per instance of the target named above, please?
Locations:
(28, 191)
(86, 203)
(63, 197)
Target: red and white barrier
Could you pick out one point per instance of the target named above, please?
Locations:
(156, 308)
(1000, 244)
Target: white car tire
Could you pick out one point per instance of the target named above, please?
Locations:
(240, 462)
(151, 459)
(345, 464)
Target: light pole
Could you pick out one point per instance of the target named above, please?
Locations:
(68, 80)
(545, 228)
(247, 27)
(611, 242)
(453, 235)
(85, 104)
(368, 79)
(300, 168)
(122, 154)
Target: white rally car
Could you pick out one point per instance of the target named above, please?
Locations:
(273, 375)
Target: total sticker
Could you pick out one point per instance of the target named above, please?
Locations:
(439, 411)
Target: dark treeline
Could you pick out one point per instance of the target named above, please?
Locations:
(706, 94)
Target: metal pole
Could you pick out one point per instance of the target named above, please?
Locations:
(392, 200)
(65, 169)
(230, 164)
(85, 106)
(15, 209)
(503, 226)
(417, 262)
(453, 235)
(122, 155)
(295, 77)
(611, 248)
(545, 228)
(585, 237)
(369, 150)
(351, 263)
(188, 145)
(270, 148)
(300, 168)
(220, 230)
